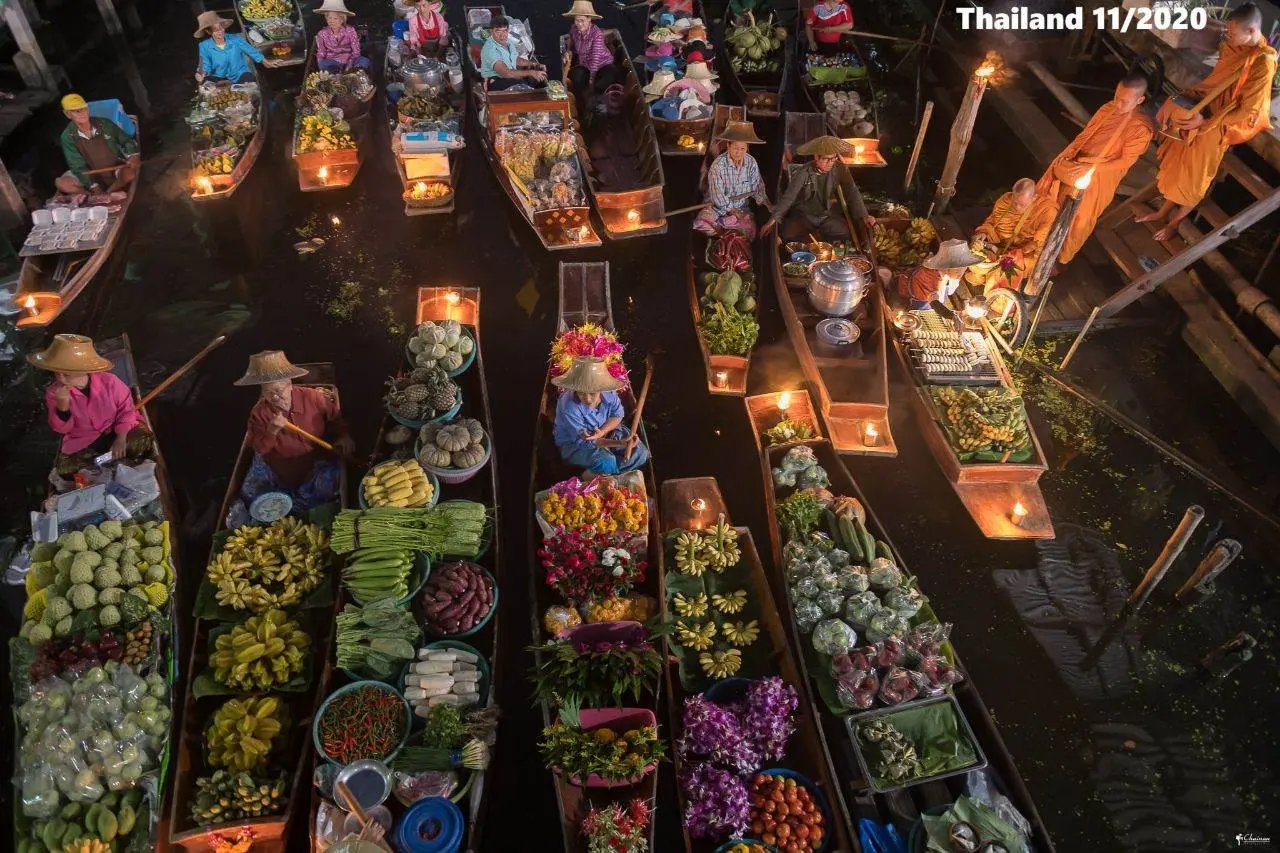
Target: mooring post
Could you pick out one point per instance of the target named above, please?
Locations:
(1172, 549)
(1200, 584)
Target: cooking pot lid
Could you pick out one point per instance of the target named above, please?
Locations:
(421, 65)
(834, 330)
(838, 272)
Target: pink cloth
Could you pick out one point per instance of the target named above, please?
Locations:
(342, 47)
(109, 406)
(699, 88)
(589, 49)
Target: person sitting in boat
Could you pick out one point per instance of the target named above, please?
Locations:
(501, 64)
(89, 406)
(338, 44)
(732, 181)
(1013, 236)
(588, 430)
(97, 145)
(284, 461)
(812, 201)
(826, 24)
(932, 283)
(428, 30)
(589, 60)
(223, 55)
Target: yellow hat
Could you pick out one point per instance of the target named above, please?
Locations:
(73, 102)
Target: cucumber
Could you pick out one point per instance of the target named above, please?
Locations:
(883, 550)
(851, 541)
(867, 541)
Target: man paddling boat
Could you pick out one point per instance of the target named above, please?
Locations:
(97, 145)
(811, 203)
(283, 460)
(588, 431)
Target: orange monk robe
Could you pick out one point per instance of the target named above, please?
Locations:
(1187, 168)
(1016, 234)
(1092, 149)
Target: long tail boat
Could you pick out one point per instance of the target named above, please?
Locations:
(679, 137)
(904, 805)
(691, 504)
(420, 166)
(281, 45)
(567, 224)
(271, 834)
(335, 168)
(206, 188)
(763, 93)
(726, 374)
(584, 298)
(844, 122)
(625, 173)
(57, 266)
(851, 380)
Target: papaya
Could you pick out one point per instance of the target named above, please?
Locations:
(107, 825)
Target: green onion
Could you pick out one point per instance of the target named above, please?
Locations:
(419, 759)
(455, 528)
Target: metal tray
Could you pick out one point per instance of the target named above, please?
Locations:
(851, 724)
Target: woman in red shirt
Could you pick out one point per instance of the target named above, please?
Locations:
(428, 30)
(826, 24)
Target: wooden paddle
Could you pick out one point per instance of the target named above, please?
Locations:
(319, 442)
(370, 829)
(173, 377)
(635, 418)
(700, 205)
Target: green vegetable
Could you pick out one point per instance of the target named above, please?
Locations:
(418, 759)
(728, 332)
(129, 575)
(454, 528)
(798, 514)
(727, 289)
(109, 616)
(105, 578)
(445, 728)
(377, 638)
(113, 530)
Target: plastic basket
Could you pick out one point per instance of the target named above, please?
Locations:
(417, 578)
(456, 475)
(342, 691)
(484, 620)
(818, 797)
(486, 672)
(449, 415)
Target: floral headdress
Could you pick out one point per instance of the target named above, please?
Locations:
(592, 340)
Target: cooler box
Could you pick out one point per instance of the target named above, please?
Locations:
(114, 110)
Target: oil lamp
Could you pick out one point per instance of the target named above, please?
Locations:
(784, 400)
(30, 305)
(633, 217)
(1082, 183)
(204, 184)
(335, 220)
(323, 174)
(1019, 514)
(870, 435)
(722, 378)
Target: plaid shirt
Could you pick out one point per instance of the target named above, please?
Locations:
(725, 179)
(589, 49)
(342, 47)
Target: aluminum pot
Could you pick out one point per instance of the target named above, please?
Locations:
(422, 73)
(837, 287)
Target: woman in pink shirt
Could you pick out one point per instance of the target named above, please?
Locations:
(428, 31)
(590, 62)
(89, 406)
(338, 44)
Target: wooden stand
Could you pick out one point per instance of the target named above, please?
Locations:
(961, 133)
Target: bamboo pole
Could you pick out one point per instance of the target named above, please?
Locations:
(961, 134)
(1035, 321)
(1172, 549)
(173, 377)
(1084, 330)
(1058, 231)
(915, 152)
(1221, 555)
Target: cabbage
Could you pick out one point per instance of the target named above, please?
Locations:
(807, 615)
(833, 636)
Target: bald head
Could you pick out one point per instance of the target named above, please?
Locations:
(1244, 25)
(1131, 91)
(1024, 192)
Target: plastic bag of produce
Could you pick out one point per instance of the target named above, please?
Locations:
(832, 636)
(817, 545)
(905, 601)
(852, 580)
(859, 608)
(807, 614)
(898, 686)
(798, 459)
(797, 570)
(806, 587)
(857, 690)
(794, 551)
(889, 652)
(839, 558)
(39, 790)
(938, 673)
(831, 601)
(826, 579)
(926, 639)
(884, 575)
(883, 623)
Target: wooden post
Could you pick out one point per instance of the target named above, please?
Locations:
(961, 133)
(109, 17)
(1057, 236)
(13, 210)
(1199, 585)
(1035, 321)
(1059, 91)
(1172, 549)
(41, 77)
(915, 152)
(1075, 345)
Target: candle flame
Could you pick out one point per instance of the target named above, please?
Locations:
(30, 303)
(975, 308)
(702, 146)
(452, 297)
(784, 400)
(1019, 510)
(697, 504)
(335, 220)
(721, 378)
(871, 430)
(204, 184)
(633, 216)
(323, 173)
(985, 71)
(1082, 182)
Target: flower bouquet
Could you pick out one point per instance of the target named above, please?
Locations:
(615, 829)
(601, 504)
(611, 748)
(591, 340)
(585, 567)
(580, 672)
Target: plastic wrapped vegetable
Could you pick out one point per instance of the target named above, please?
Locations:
(838, 558)
(833, 636)
(817, 545)
(926, 639)
(806, 587)
(898, 687)
(826, 579)
(884, 575)
(798, 459)
(797, 569)
(939, 673)
(852, 581)
(857, 690)
(859, 608)
(807, 614)
(905, 601)
(889, 652)
(793, 551)
(883, 623)
(831, 601)
(815, 478)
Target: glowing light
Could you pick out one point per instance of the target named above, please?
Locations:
(984, 71)
(975, 308)
(722, 378)
(900, 320)
(702, 146)
(633, 216)
(697, 504)
(784, 400)
(30, 305)
(870, 435)
(323, 174)
(452, 297)
(204, 184)
(335, 220)
(1082, 182)
(1019, 514)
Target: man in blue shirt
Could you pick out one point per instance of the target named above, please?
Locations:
(223, 56)
(501, 65)
(588, 430)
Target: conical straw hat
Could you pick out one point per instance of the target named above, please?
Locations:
(270, 366)
(206, 20)
(581, 8)
(952, 255)
(70, 354)
(335, 6)
(588, 375)
(740, 131)
(825, 146)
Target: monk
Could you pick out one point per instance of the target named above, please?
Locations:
(1246, 66)
(1108, 146)
(1013, 236)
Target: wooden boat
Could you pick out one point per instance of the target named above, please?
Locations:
(762, 93)
(726, 374)
(206, 188)
(584, 298)
(695, 502)
(279, 52)
(271, 834)
(903, 806)
(415, 170)
(335, 169)
(851, 380)
(989, 490)
(625, 174)
(49, 281)
(679, 137)
(567, 227)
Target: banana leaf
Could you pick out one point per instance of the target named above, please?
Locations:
(834, 75)
(204, 684)
(990, 826)
(941, 737)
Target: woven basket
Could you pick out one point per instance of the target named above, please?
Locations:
(427, 203)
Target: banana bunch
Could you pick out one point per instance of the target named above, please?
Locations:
(260, 653)
(984, 419)
(397, 482)
(86, 845)
(920, 234)
(242, 732)
(274, 566)
(741, 633)
(731, 603)
(691, 557)
(218, 164)
(260, 10)
(721, 664)
(721, 544)
(691, 606)
(696, 637)
(225, 797)
(319, 132)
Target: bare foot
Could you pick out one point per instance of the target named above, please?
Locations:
(1164, 233)
(1152, 216)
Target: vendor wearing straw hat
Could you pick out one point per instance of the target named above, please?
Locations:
(932, 283)
(89, 406)
(284, 461)
(338, 44)
(223, 55)
(589, 60)
(732, 181)
(811, 202)
(588, 429)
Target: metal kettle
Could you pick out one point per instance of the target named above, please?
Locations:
(837, 287)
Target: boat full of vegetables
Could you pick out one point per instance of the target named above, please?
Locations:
(445, 344)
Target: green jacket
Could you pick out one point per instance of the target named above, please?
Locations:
(120, 142)
(813, 194)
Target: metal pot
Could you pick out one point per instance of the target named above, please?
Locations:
(422, 73)
(836, 287)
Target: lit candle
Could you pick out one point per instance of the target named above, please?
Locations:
(420, 189)
(722, 378)
(453, 297)
(697, 504)
(335, 220)
(30, 305)
(633, 216)
(1019, 514)
(975, 308)
(323, 174)
(870, 435)
(784, 400)
(204, 184)
(702, 146)
(984, 72)
(1082, 182)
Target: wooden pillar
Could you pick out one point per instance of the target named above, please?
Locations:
(131, 16)
(13, 210)
(109, 17)
(1057, 236)
(1177, 542)
(961, 133)
(35, 69)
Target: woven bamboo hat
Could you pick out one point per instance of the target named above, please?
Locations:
(657, 86)
(699, 71)
(270, 366)
(588, 375)
(952, 255)
(335, 6)
(825, 146)
(70, 354)
(206, 20)
(740, 131)
(581, 9)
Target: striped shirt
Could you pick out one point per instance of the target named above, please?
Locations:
(342, 47)
(589, 49)
(725, 180)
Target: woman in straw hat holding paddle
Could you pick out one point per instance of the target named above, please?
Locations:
(588, 430)
(284, 461)
(90, 407)
(592, 69)
(732, 181)
(223, 56)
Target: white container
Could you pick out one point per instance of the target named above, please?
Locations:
(41, 217)
(80, 214)
(98, 213)
(61, 214)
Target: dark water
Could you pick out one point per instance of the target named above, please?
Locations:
(1126, 748)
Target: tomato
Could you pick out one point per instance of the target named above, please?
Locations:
(769, 838)
(802, 831)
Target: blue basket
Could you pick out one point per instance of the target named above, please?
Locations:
(431, 478)
(468, 360)
(421, 571)
(341, 691)
(486, 673)
(456, 475)
(112, 110)
(818, 797)
(493, 607)
(449, 415)
(728, 690)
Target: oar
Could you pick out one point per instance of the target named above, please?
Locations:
(141, 163)
(173, 377)
(700, 205)
(644, 394)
